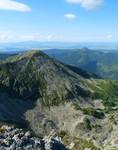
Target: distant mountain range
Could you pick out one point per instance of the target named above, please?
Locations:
(43, 94)
(103, 63)
(6, 47)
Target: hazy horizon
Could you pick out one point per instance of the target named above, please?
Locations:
(18, 46)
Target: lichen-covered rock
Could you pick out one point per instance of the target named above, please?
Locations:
(21, 140)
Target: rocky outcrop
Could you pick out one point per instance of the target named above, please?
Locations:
(12, 138)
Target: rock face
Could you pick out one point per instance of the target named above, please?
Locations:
(43, 94)
(12, 138)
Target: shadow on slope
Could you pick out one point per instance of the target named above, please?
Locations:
(12, 110)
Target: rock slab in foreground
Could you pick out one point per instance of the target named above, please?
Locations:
(12, 138)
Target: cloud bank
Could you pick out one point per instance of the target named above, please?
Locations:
(87, 4)
(13, 5)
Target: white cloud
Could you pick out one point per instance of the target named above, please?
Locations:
(9, 36)
(36, 37)
(5, 35)
(109, 36)
(70, 16)
(13, 5)
(87, 4)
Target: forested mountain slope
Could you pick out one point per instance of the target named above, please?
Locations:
(42, 93)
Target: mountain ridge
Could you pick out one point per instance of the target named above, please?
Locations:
(47, 94)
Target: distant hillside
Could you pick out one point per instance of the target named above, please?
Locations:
(103, 63)
(5, 55)
(42, 94)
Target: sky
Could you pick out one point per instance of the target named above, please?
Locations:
(59, 20)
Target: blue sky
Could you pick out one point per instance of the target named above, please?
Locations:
(59, 20)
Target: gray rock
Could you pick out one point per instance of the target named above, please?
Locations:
(28, 134)
(16, 139)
